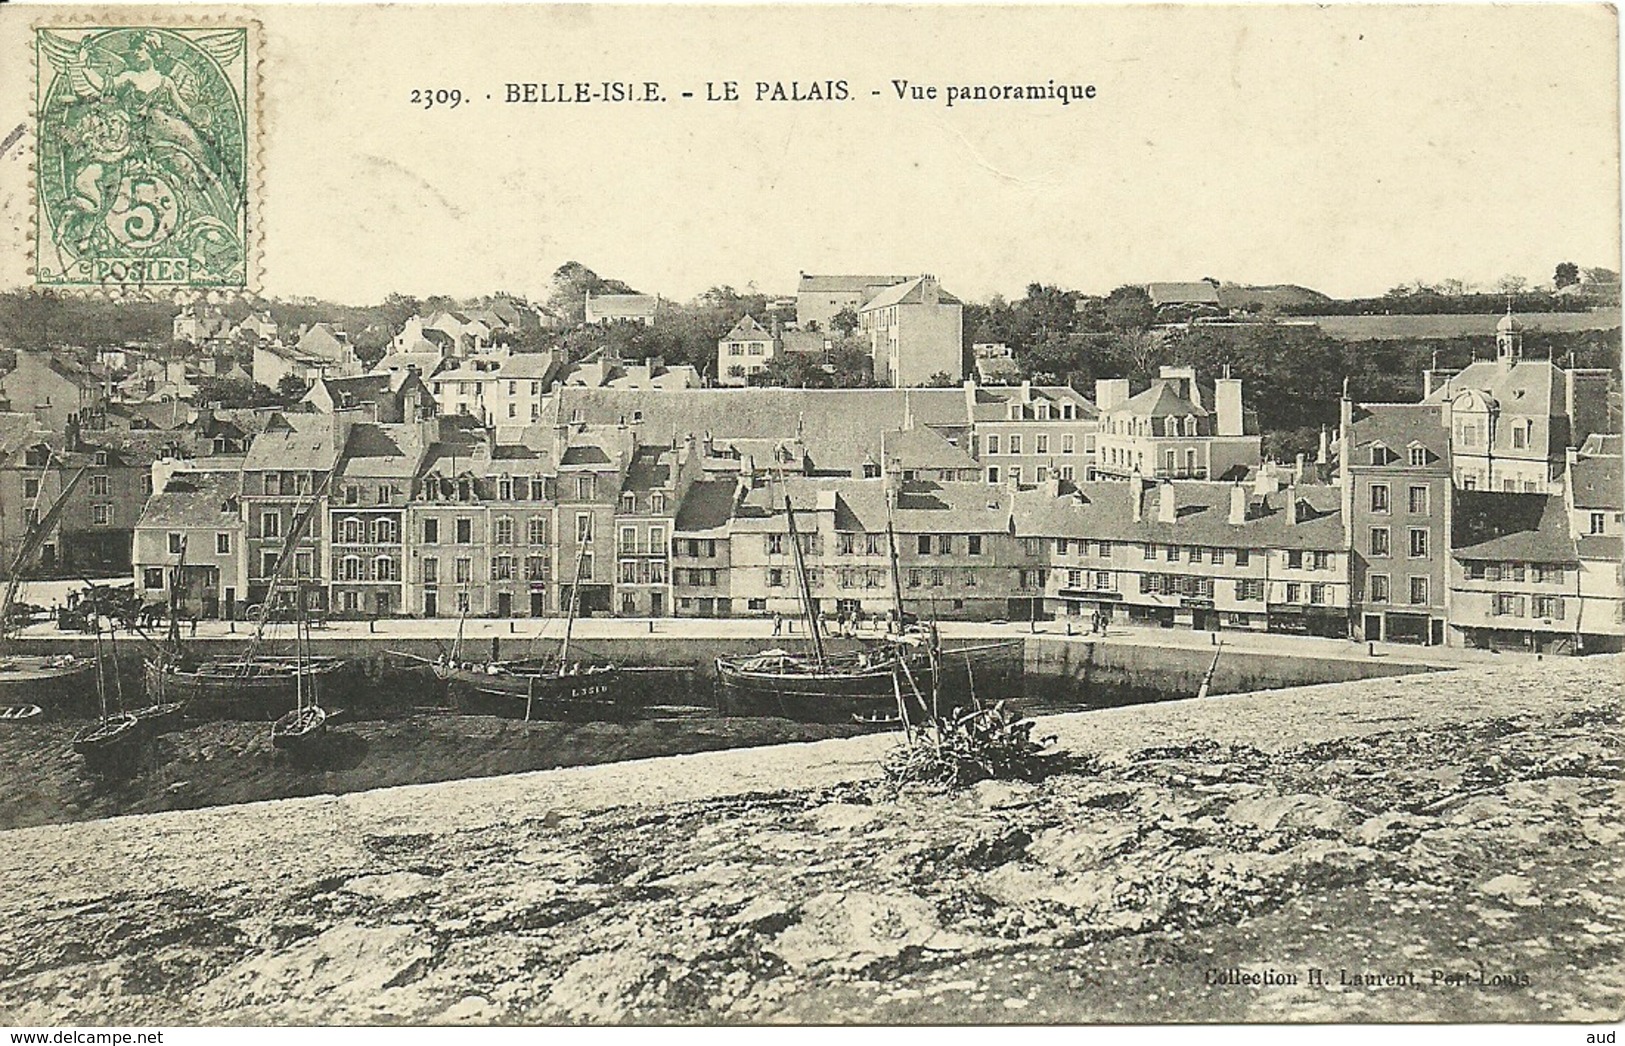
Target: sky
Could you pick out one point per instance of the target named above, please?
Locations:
(1345, 149)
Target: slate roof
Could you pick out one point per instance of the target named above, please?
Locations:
(294, 441)
(747, 329)
(993, 404)
(650, 469)
(840, 427)
(18, 432)
(1397, 426)
(383, 451)
(1597, 483)
(924, 448)
(859, 505)
(1530, 528)
(1161, 400)
(908, 293)
(1602, 444)
(1104, 509)
(811, 284)
(707, 505)
(195, 499)
(1526, 387)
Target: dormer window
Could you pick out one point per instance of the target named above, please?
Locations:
(101, 457)
(1419, 457)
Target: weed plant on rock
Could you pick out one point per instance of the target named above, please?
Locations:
(962, 748)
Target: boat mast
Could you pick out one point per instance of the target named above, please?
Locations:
(896, 579)
(802, 587)
(32, 541)
(575, 598)
(296, 530)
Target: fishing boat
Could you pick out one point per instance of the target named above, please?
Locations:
(821, 686)
(301, 730)
(111, 746)
(549, 688)
(249, 685)
(20, 713)
(49, 679)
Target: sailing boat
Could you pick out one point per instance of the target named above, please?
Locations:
(112, 744)
(39, 678)
(823, 687)
(301, 729)
(537, 688)
(251, 685)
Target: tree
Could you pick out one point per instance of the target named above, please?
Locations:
(1567, 275)
(845, 321)
(941, 380)
(371, 344)
(291, 389)
(1511, 283)
(1129, 308)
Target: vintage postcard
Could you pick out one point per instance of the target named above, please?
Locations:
(866, 515)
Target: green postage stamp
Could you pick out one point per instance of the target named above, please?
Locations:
(144, 170)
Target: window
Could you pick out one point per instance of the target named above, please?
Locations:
(1379, 541)
(1015, 473)
(273, 484)
(464, 568)
(1294, 559)
(629, 502)
(1379, 497)
(152, 577)
(1520, 437)
(98, 486)
(973, 544)
(1068, 443)
(1194, 553)
(352, 495)
(1419, 501)
(1317, 593)
(1419, 590)
(844, 544)
(1507, 605)
(1170, 553)
(536, 531)
(1597, 522)
(1250, 590)
(1294, 592)
(383, 568)
(462, 602)
(1419, 543)
(350, 568)
(502, 568)
(657, 501)
(101, 515)
(657, 541)
(30, 488)
(629, 540)
(1243, 556)
(914, 576)
(1041, 444)
(993, 475)
(222, 544)
(431, 571)
(1015, 443)
(431, 531)
(774, 544)
(874, 545)
(945, 544)
(1549, 607)
(177, 543)
(267, 564)
(583, 527)
(270, 524)
(586, 487)
(1320, 560)
(1379, 588)
(465, 530)
(538, 489)
(1149, 551)
(1419, 457)
(535, 568)
(924, 544)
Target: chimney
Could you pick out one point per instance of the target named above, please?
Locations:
(1184, 379)
(1026, 392)
(1227, 405)
(1136, 491)
(1323, 453)
(1292, 503)
(970, 401)
(1297, 469)
(1110, 392)
(1264, 482)
(1167, 511)
(929, 292)
(1238, 504)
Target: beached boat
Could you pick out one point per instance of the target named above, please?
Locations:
(111, 746)
(20, 713)
(548, 688)
(250, 685)
(300, 731)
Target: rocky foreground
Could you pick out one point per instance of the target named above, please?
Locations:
(1444, 847)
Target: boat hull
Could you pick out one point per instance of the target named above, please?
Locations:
(517, 692)
(52, 682)
(111, 746)
(757, 686)
(300, 730)
(160, 718)
(260, 689)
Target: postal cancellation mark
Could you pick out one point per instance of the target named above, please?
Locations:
(145, 146)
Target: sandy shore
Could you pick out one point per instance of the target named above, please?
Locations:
(1448, 841)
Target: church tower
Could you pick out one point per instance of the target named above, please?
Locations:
(1508, 338)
